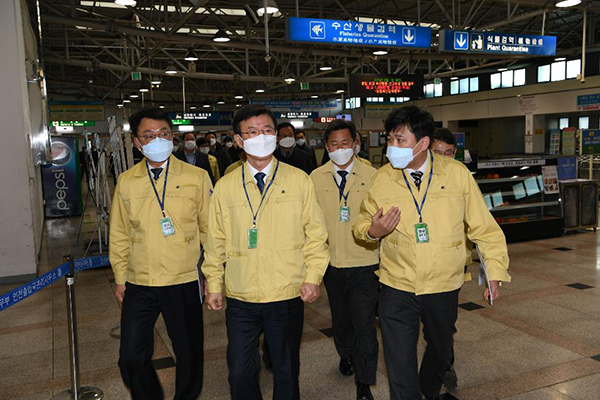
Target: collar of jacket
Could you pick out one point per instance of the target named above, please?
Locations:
(438, 167)
(174, 167)
(357, 169)
(250, 178)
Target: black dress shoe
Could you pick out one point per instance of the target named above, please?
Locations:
(346, 367)
(450, 379)
(363, 392)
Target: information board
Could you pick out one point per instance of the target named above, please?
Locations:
(588, 102)
(376, 85)
(496, 43)
(590, 141)
(567, 168)
(353, 33)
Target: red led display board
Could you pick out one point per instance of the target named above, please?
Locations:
(374, 85)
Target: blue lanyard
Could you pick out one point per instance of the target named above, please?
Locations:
(254, 215)
(420, 209)
(342, 193)
(161, 204)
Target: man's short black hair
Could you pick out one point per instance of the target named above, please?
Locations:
(338, 125)
(201, 141)
(285, 125)
(249, 111)
(418, 121)
(175, 139)
(299, 131)
(186, 135)
(227, 139)
(444, 135)
(154, 113)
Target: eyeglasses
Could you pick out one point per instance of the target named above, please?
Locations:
(162, 135)
(254, 132)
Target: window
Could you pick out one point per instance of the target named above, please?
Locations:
(438, 90)
(454, 87)
(474, 84)
(543, 73)
(584, 122)
(558, 71)
(429, 90)
(519, 79)
(553, 124)
(507, 79)
(563, 123)
(463, 85)
(496, 81)
(573, 68)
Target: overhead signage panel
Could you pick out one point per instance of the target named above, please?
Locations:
(375, 85)
(202, 118)
(496, 43)
(590, 141)
(297, 115)
(353, 33)
(298, 105)
(73, 123)
(588, 102)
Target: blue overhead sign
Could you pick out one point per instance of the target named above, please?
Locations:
(588, 102)
(309, 30)
(298, 105)
(497, 43)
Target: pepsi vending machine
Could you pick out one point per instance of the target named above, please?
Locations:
(62, 179)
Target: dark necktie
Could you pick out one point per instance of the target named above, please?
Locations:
(417, 175)
(260, 180)
(343, 174)
(156, 172)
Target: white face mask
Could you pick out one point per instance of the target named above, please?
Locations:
(356, 148)
(212, 141)
(400, 157)
(261, 145)
(158, 150)
(287, 142)
(341, 156)
(204, 150)
(189, 145)
(175, 147)
(229, 145)
(300, 142)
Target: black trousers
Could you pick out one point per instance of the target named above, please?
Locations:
(400, 314)
(353, 295)
(282, 323)
(182, 311)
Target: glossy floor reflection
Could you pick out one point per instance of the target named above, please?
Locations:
(539, 341)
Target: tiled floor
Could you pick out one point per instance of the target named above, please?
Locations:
(541, 340)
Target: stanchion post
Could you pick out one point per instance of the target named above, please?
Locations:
(76, 392)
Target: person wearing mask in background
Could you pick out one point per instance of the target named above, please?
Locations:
(219, 152)
(175, 145)
(351, 282)
(204, 148)
(287, 151)
(423, 253)
(238, 163)
(190, 154)
(302, 145)
(360, 155)
(158, 222)
(275, 247)
(444, 144)
(231, 149)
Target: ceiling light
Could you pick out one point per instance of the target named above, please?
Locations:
(161, 106)
(144, 89)
(260, 90)
(380, 52)
(156, 81)
(239, 96)
(290, 80)
(191, 55)
(206, 105)
(560, 59)
(221, 36)
(238, 105)
(130, 3)
(170, 70)
(193, 107)
(271, 7)
(126, 101)
(221, 101)
(567, 3)
(186, 128)
(339, 100)
(340, 91)
(120, 105)
(454, 78)
(314, 96)
(502, 69)
(326, 68)
(134, 95)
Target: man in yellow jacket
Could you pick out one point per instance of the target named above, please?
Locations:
(418, 207)
(266, 225)
(352, 286)
(158, 222)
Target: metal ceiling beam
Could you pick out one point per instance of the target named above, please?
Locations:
(510, 21)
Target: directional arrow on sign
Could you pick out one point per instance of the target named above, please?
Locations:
(461, 41)
(409, 37)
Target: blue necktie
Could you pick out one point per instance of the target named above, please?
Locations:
(417, 176)
(343, 174)
(156, 172)
(260, 181)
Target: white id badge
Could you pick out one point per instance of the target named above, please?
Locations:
(167, 227)
(344, 214)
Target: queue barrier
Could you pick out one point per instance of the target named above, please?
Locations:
(67, 269)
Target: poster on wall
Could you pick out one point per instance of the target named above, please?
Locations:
(62, 179)
(550, 176)
(555, 141)
(567, 168)
(568, 141)
(590, 141)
